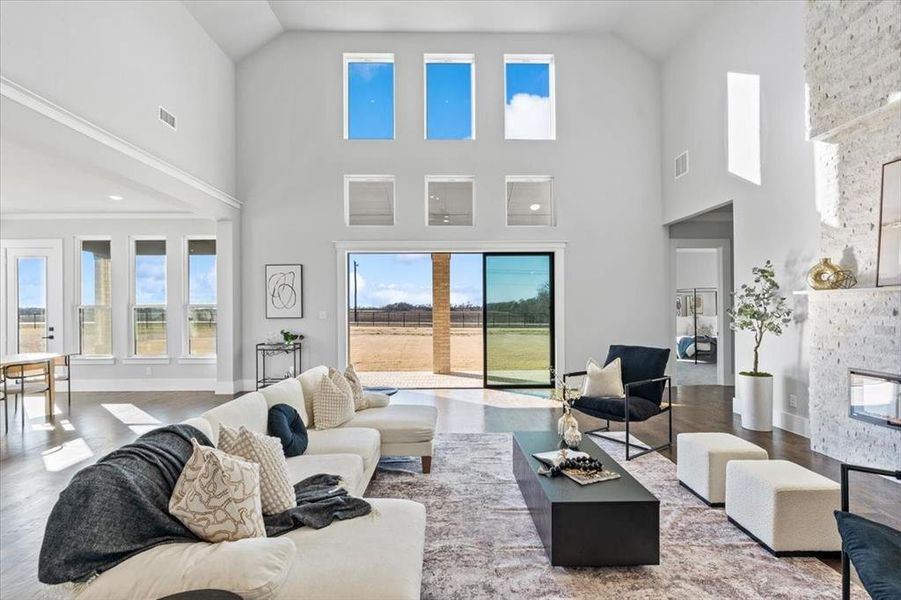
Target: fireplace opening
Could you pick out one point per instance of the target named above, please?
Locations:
(876, 397)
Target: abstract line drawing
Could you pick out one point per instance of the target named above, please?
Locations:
(284, 291)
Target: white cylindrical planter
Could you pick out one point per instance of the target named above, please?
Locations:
(755, 395)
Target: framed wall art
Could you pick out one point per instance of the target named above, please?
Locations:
(284, 291)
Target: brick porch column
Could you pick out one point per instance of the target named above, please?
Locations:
(441, 313)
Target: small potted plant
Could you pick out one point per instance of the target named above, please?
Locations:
(289, 337)
(760, 309)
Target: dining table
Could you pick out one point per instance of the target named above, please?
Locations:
(35, 359)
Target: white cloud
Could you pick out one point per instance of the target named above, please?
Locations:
(391, 293)
(405, 257)
(528, 117)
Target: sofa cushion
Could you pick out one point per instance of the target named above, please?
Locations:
(333, 402)
(399, 423)
(202, 425)
(249, 410)
(253, 568)
(365, 443)
(276, 491)
(309, 379)
(288, 392)
(347, 466)
(638, 364)
(217, 496)
(285, 424)
(337, 561)
(875, 552)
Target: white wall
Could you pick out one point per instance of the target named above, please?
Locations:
(292, 158)
(177, 374)
(115, 63)
(697, 268)
(776, 220)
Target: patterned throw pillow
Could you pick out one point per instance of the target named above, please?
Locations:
(217, 496)
(333, 404)
(356, 388)
(276, 492)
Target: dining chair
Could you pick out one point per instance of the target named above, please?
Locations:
(29, 379)
(62, 371)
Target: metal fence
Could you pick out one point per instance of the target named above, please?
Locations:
(459, 318)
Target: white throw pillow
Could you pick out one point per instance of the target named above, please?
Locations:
(217, 496)
(376, 399)
(290, 392)
(604, 382)
(356, 387)
(333, 404)
(276, 492)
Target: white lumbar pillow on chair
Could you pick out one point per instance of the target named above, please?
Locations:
(604, 382)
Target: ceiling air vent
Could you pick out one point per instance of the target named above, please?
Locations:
(167, 117)
(681, 164)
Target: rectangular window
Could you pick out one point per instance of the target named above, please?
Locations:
(149, 308)
(530, 201)
(369, 96)
(201, 325)
(369, 199)
(450, 97)
(449, 200)
(529, 112)
(95, 337)
(743, 92)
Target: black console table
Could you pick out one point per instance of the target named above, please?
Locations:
(608, 524)
(266, 351)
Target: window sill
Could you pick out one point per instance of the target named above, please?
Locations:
(93, 360)
(146, 360)
(197, 360)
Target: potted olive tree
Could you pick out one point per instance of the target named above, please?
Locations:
(760, 309)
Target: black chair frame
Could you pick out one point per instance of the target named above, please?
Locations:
(846, 561)
(628, 387)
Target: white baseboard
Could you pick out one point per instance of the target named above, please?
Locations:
(140, 385)
(793, 423)
(227, 388)
(736, 406)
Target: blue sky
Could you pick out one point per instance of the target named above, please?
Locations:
(32, 286)
(389, 278)
(528, 114)
(449, 101)
(202, 284)
(370, 101)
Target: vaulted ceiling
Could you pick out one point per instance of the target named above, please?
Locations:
(652, 26)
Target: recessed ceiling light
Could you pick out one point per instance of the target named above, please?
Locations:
(115, 197)
(534, 207)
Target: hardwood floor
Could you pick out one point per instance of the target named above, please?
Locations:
(37, 463)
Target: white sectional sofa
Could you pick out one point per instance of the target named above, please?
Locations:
(378, 556)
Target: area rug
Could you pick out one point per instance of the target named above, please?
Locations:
(481, 542)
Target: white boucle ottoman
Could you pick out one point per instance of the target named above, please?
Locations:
(701, 466)
(784, 507)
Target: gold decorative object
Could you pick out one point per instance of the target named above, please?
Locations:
(819, 277)
(843, 280)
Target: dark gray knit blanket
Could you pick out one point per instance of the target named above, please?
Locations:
(119, 507)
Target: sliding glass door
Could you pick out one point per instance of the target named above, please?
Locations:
(518, 324)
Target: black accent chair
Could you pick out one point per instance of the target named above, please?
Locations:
(644, 380)
(874, 548)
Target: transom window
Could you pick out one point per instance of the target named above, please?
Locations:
(530, 201)
(449, 200)
(529, 112)
(369, 199)
(449, 96)
(368, 96)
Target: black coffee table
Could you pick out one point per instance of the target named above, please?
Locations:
(612, 523)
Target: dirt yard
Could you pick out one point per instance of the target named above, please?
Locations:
(410, 349)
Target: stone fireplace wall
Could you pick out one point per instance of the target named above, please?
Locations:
(854, 78)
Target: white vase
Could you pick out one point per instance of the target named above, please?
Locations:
(755, 396)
